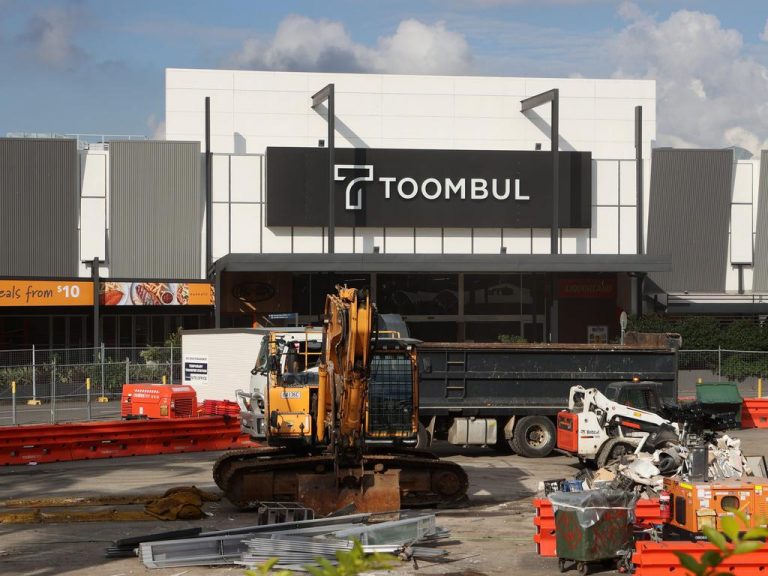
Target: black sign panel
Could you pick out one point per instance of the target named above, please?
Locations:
(429, 188)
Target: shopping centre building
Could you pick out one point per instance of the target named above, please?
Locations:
(435, 192)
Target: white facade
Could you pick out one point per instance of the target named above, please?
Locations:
(253, 110)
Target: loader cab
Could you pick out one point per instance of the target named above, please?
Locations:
(643, 395)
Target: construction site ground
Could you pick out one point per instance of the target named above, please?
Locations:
(491, 534)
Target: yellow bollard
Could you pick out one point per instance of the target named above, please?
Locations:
(698, 381)
(100, 399)
(164, 380)
(759, 387)
(88, 384)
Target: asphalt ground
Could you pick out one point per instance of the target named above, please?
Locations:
(491, 535)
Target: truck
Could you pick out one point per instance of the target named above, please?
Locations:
(505, 396)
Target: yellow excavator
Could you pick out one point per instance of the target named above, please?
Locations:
(342, 433)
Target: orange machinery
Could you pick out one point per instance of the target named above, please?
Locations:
(158, 401)
(694, 505)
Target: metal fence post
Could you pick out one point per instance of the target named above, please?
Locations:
(13, 402)
(102, 373)
(88, 396)
(53, 392)
(34, 379)
(719, 363)
(127, 370)
(171, 366)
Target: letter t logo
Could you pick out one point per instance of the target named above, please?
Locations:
(356, 202)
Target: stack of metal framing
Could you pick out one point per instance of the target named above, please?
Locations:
(295, 543)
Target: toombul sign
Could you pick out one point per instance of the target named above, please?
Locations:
(430, 188)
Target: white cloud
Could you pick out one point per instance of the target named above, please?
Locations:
(49, 36)
(710, 93)
(304, 44)
(156, 127)
(764, 35)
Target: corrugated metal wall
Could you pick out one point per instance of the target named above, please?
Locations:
(689, 211)
(760, 278)
(156, 209)
(38, 207)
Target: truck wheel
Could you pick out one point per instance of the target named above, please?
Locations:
(423, 441)
(534, 437)
(612, 451)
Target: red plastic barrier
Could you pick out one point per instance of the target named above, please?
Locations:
(647, 513)
(754, 413)
(119, 438)
(658, 559)
(220, 408)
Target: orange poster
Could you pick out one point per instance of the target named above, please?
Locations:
(45, 293)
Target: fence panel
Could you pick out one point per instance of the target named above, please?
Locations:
(49, 386)
(747, 368)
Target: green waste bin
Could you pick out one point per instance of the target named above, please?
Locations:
(722, 401)
(592, 526)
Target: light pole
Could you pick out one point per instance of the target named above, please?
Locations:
(327, 93)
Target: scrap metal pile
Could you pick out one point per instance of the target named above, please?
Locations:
(716, 457)
(293, 536)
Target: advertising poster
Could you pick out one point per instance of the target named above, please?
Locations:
(195, 369)
(45, 293)
(156, 294)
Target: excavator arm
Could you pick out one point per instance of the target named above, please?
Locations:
(345, 367)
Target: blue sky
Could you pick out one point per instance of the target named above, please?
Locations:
(83, 66)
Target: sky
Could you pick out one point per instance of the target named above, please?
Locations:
(97, 67)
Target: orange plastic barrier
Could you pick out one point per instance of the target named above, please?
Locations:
(42, 443)
(754, 413)
(647, 513)
(658, 559)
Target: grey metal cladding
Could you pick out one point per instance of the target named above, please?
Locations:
(690, 207)
(760, 273)
(39, 203)
(156, 210)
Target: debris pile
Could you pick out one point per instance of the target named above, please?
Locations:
(713, 457)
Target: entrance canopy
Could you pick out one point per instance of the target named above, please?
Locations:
(493, 263)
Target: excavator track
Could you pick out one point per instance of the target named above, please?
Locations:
(250, 476)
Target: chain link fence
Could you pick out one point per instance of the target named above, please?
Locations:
(76, 384)
(747, 368)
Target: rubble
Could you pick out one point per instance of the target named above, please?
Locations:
(644, 473)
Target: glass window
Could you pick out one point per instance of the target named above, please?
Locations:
(38, 331)
(77, 332)
(418, 294)
(141, 331)
(434, 331)
(533, 293)
(59, 332)
(126, 331)
(108, 331)
(492, 331)
(492, 293)
(159, 331)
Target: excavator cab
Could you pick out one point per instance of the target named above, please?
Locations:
(391, 416)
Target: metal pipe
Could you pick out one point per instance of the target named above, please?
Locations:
(96, 302)
(555, 138)
(208, 189)
(639, 195)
